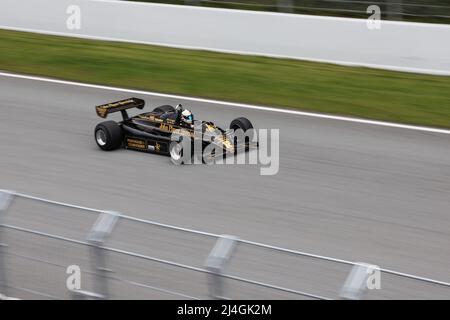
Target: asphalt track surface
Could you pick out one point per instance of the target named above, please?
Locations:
(352, 191)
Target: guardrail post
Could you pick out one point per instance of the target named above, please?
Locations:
(286, 6)
(98, 235)
(357, 282)
(6, 198)
(395, 10)
(215, 263)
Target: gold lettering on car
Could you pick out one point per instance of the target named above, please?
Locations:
(136, 144)
(166, 127)
(184, 132)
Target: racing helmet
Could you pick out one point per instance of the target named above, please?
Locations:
(187, 117)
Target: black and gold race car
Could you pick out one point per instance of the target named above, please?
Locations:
(162, 131)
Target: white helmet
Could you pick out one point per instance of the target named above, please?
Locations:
(187, 117)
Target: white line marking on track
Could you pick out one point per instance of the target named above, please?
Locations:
(231, 104)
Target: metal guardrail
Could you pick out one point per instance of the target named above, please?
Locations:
(426, 11)
(214, 265)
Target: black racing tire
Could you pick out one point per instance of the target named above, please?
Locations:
(163, 109)
(176, 152)
(244, 124)
(108, 135)
(241, 123)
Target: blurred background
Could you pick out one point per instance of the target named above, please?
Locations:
(432, 11)
(364, 119)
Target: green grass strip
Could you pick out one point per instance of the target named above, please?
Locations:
(359, 92)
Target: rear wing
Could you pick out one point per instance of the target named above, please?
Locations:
(105, 109)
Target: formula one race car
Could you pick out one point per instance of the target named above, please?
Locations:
(171, 131)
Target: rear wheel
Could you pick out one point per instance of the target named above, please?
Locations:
(164, 109)
(108, 135)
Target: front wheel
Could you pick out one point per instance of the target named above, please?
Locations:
(243, 132)
(176, 152)
(108, 135)
(182, 151)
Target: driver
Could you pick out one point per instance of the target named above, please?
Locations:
(187, 118)
(184, 116)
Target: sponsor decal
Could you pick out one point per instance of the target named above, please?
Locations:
(136, 144)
